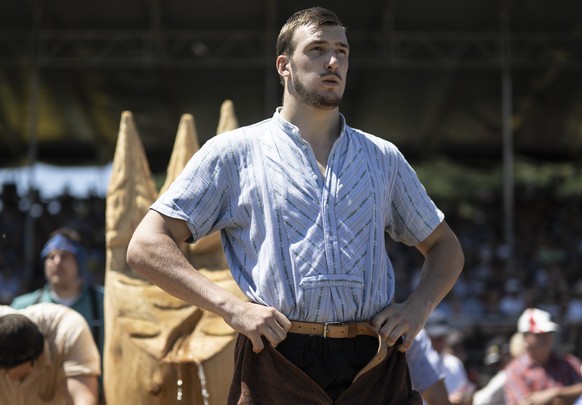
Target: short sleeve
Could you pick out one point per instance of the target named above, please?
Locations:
(69, 338)
(81, 356)
(412, 215)
(198, 195)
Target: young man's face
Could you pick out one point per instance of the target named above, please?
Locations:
(318, 66)
(60, 267)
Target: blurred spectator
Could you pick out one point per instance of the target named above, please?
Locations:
(459, 388)
(47, 356)
(456, 344)
(426, 373)
(498, 354)
(65, 260)
(541, 375)
(64, 266)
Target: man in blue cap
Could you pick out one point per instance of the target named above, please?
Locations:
(64, 262)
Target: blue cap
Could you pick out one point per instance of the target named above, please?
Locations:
(61, 242)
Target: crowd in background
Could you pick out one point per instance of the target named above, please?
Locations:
(86, 215)
(484, 304)
(488, 298)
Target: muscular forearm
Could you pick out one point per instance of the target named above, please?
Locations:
(443, 263)
(154, 253)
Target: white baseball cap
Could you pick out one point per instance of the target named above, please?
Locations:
(535, 320)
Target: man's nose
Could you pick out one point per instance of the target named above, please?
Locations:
(57, 258)
(332, 61)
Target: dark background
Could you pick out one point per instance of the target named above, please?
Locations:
(424, 74)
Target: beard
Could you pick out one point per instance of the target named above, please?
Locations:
(311, 97)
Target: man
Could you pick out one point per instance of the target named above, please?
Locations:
(426, 371)
(47, 356)
(457, 383)
(64, 261)
(541, 375)
(499, 354)
(302, 202)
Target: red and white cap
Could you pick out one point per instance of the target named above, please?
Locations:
(535, 320)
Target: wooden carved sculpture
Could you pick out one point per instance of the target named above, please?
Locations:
(159, 349)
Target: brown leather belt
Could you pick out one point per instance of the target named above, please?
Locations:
(345, 330)
(334, 330)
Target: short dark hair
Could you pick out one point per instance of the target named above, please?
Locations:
(315, 16)
(21, 340)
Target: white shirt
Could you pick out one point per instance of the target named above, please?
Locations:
(456, 379)
(493, 393)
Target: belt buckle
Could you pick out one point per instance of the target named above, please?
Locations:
(325, 327)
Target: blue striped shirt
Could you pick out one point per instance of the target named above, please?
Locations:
(310, 246)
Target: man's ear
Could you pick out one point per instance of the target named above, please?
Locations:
(282, 66)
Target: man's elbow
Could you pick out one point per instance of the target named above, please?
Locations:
(82, 390)
(452, 248)
(460, 258)
(134, 252)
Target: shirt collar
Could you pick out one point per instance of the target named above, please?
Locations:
(291, 129)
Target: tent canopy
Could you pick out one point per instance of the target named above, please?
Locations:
(425, 75)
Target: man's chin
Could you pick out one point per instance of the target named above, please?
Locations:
(329, 103)
(327, 107)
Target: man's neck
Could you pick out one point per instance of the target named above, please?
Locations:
(67, 291)
(317, 125)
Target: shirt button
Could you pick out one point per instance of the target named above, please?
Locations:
(315, 177)
(304, 146)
